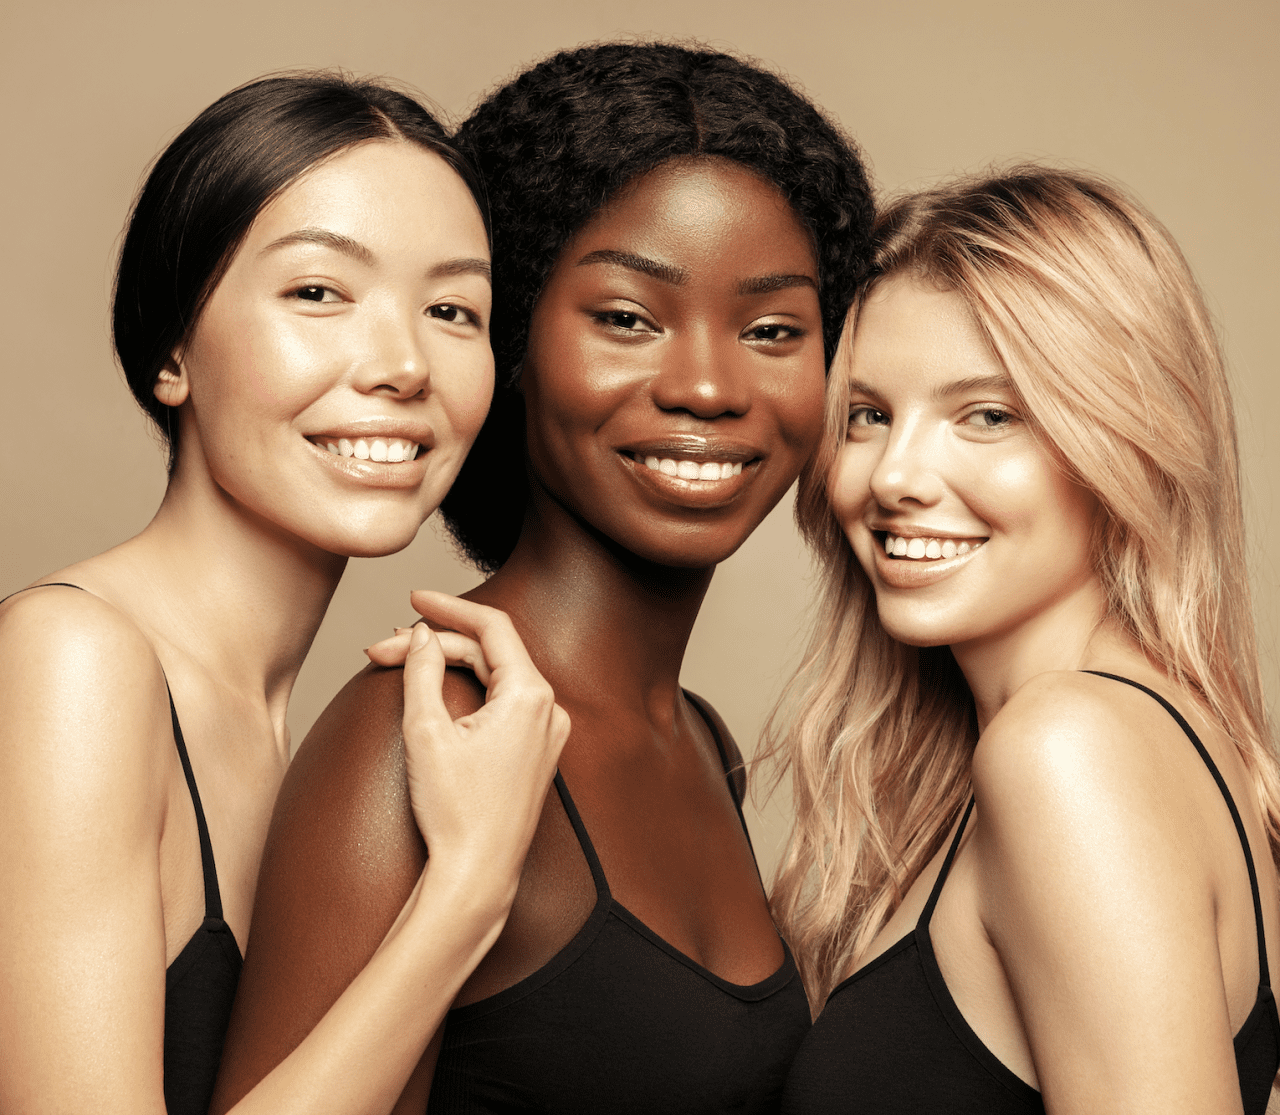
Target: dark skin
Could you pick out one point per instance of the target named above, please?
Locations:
(681, 324)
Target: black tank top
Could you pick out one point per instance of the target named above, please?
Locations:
(620, 1021)
(200, 984)
(891, 1038)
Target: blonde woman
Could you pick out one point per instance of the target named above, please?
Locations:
(1034, 861)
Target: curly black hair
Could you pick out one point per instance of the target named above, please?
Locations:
(556, 143)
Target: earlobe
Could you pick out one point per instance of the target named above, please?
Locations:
(172, 386)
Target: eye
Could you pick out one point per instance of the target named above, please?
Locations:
(773, 331)
(864, 416)
(990, 418)
(316, 294)
(453, 313)
(625, 321)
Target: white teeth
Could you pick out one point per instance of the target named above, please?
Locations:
(930, 549)
(692, 470)
(390, 449)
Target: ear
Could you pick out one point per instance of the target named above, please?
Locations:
(172, 385)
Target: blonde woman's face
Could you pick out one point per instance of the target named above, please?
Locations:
(965, 526)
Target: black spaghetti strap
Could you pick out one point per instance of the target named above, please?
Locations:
(47, 584)
(212, 895)
(1264, 975)
(704, 710)
(926, 915)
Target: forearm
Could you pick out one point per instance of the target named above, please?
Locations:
(363, 1051)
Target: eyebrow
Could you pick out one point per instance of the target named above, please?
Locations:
(353, 248)
(663, 272)
(996, 383)
(327, 239)
(767, 284)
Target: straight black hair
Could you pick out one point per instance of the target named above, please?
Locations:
(209, 184)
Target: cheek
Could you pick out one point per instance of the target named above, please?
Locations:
(849, 483)
(801, 408)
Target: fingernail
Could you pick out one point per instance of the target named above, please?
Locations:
(421, 633)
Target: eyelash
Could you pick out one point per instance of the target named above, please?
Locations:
(471, 316)
(298, 292)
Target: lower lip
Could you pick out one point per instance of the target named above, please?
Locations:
(377, 474)
(695, 494)
(910, 573)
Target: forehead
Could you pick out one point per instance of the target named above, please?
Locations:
(695, 206)
(909, 332)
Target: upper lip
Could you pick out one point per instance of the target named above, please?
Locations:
(419, 433)
(693, 448)
(902, 531)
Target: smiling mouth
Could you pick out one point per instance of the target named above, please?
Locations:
(392, 450)
(687, 468)
(926, 549)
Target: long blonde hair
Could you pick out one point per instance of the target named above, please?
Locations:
(1091, 308)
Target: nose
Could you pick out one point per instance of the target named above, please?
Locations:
(907, 473)
(395, 361)
(704, 376)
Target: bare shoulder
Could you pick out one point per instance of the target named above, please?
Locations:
(84, 696)
(1067, 735)
(734, 763)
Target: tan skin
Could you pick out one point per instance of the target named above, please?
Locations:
(681, 322)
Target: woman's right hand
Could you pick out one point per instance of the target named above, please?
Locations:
(477, 783)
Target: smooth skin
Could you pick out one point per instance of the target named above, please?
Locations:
(1097, 928)
(682, 320)
(357, 305)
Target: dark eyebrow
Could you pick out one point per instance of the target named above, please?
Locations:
(767, 284)
(327, 239)
(663, 272)
(997, 383)
(462, 267)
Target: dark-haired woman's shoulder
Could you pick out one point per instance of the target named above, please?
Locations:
(86, 779)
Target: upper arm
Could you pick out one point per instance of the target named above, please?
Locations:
(82, 810)
(342, 856)
(1100, 908)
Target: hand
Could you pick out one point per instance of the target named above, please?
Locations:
(476, 783)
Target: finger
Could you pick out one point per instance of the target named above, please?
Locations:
(391, 651)
(424, 709)
(503, 650)
(462, 650)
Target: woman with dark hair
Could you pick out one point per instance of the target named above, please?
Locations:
(676, 235)
(1038, 802)
(302, 305)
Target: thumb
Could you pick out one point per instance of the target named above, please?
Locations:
(424, 709)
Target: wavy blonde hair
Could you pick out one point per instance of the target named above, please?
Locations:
(1090, 306)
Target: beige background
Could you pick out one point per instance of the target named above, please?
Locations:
(1176, 98)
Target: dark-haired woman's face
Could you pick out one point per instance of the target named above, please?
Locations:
(674, 373)
(341, 369)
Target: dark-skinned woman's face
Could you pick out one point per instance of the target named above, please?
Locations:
(674, 374)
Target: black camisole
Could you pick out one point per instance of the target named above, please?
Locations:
(200, 984)
(620, 1021)
(892, 1040)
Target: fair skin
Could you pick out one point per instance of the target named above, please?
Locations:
(1097, 930)
(356, 307)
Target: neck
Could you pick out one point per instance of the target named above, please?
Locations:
(1065, 636)
(603, 625)
(226, 591)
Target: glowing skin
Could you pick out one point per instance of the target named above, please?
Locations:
(990, 540)
(355, 315)
(674, 371)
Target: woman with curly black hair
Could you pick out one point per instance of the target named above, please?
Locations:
(676, 237)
